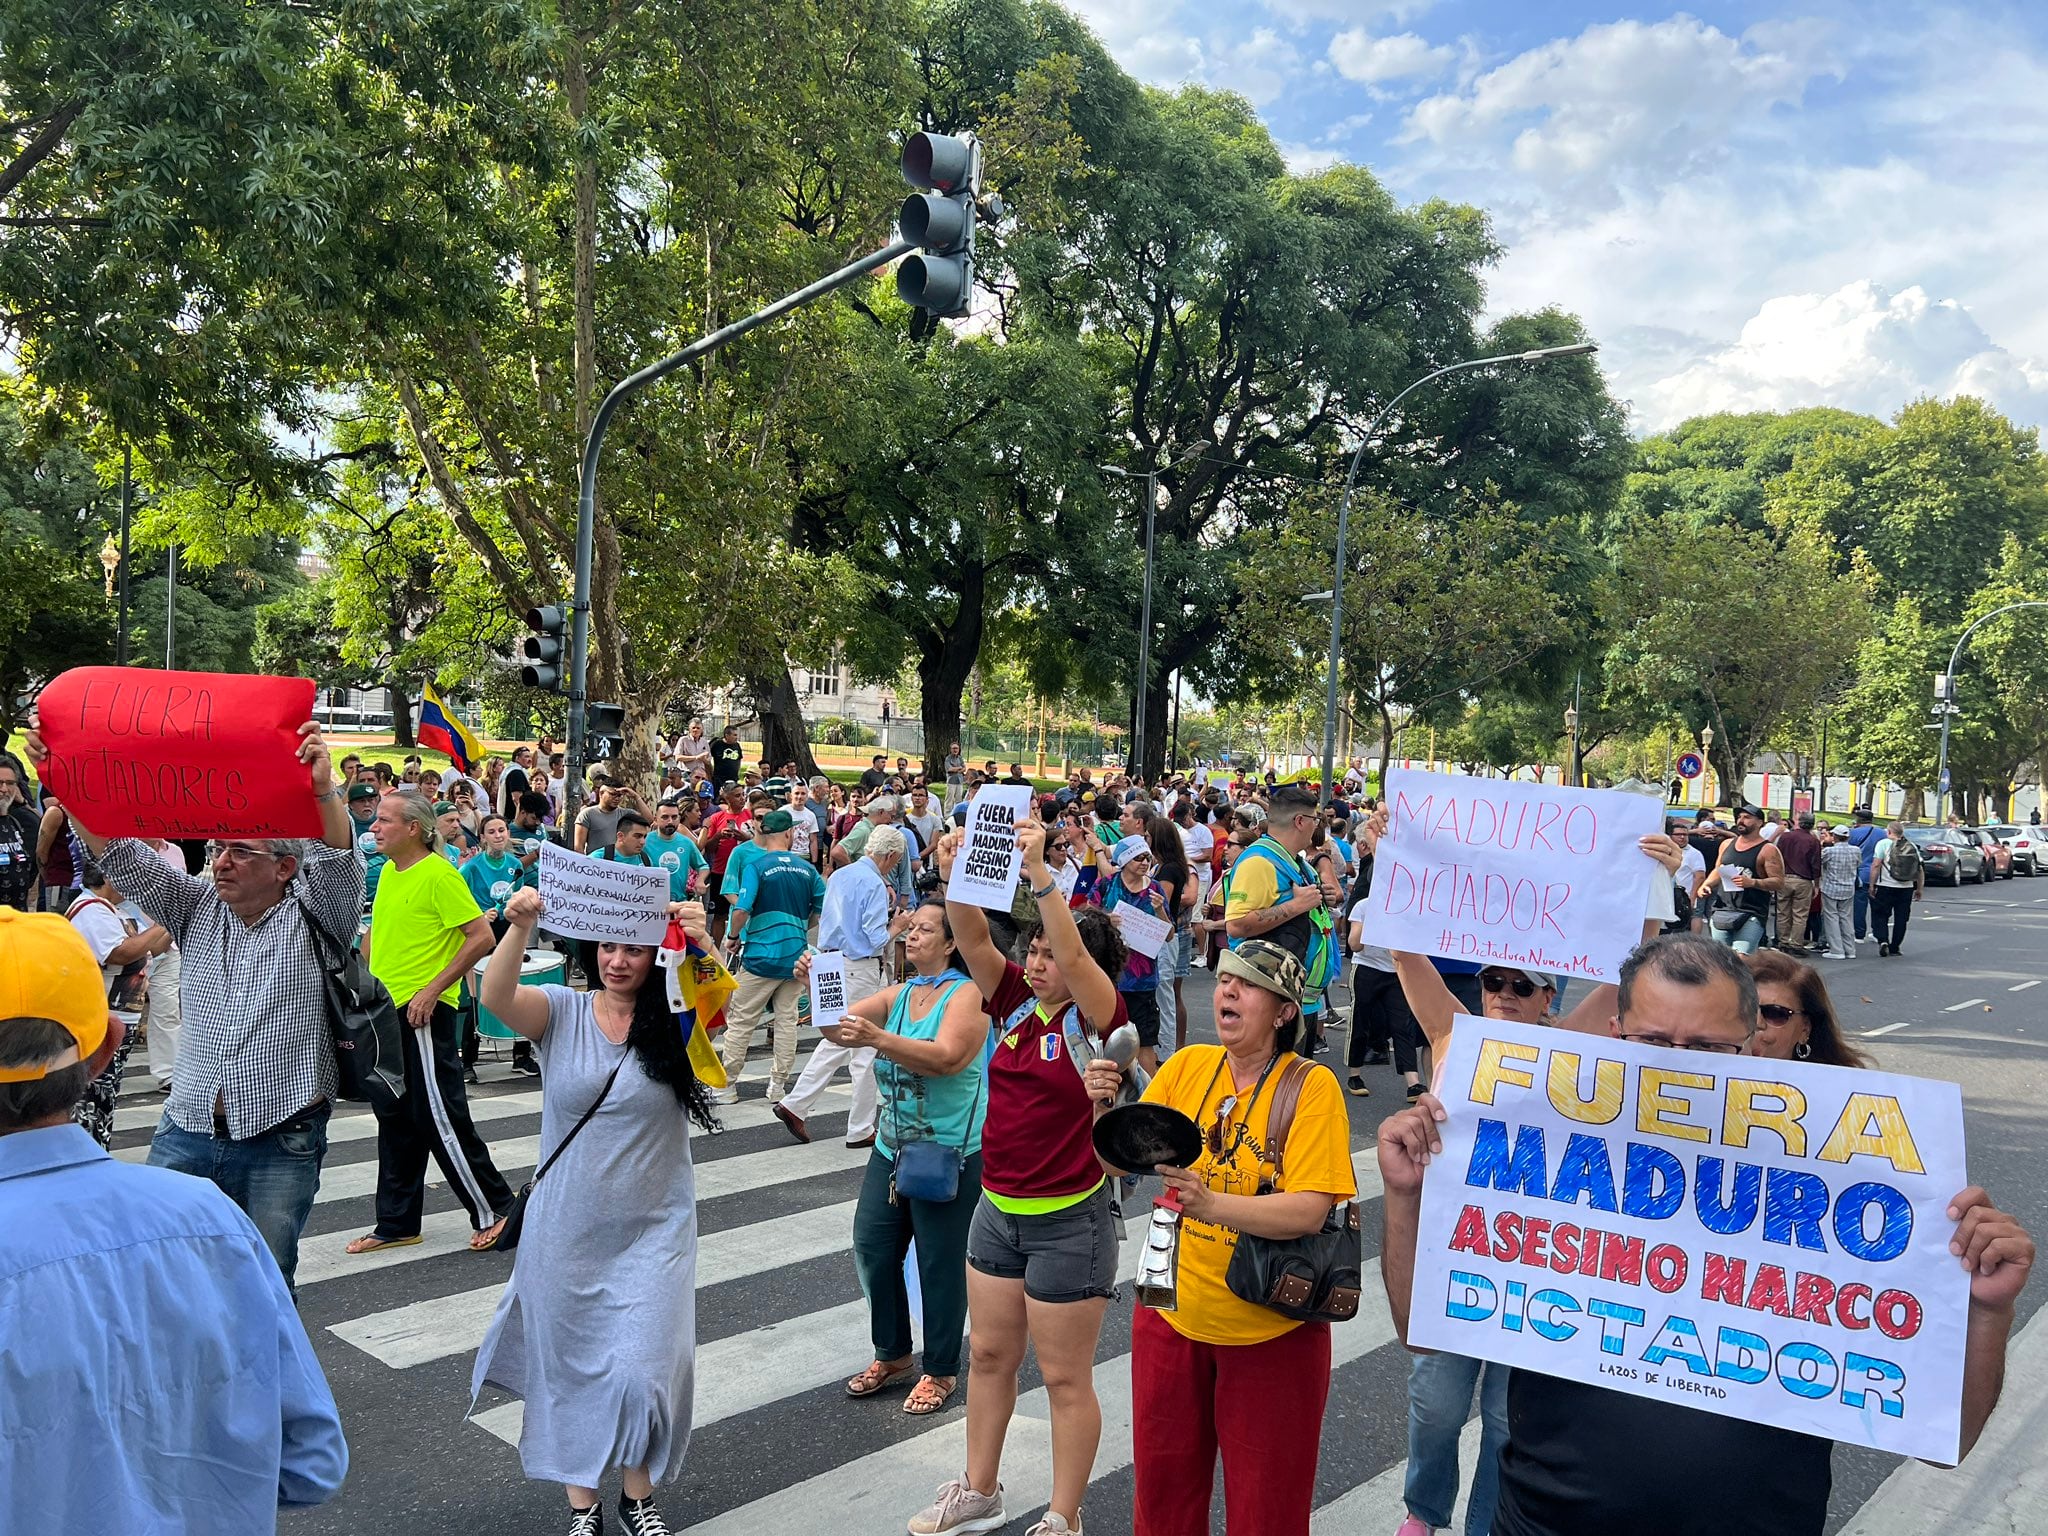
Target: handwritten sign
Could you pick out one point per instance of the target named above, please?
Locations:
(1762, 1239)
(985, 869)
(1143, 933)
(828, 988)
(135, 753)
(1536, 875)
(587, 898)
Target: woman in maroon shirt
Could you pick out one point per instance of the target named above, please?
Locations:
(1042, 1251)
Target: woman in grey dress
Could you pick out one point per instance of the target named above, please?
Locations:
(597, 1329)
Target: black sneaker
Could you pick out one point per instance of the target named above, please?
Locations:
(587, 1522)
(1883, 948)
(641, 1518)
(1355, 1086)
(527, 1065)
(469, 1075)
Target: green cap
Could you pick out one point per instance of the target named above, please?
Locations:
(362, 792)
(777, 821)
(1265, 964)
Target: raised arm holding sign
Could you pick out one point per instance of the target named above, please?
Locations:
(985, 869)
(1648, 1233)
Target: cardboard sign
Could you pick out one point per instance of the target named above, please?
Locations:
(1537, 875)
(1762, 1239)
(587, 898)
(1143, 933)
(985, 869)
(135, 753)
(828, 988)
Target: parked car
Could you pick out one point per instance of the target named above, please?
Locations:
(1950, 857)
(1997, 857)
(2026, 845)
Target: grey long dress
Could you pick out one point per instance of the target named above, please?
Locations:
(597, 1329)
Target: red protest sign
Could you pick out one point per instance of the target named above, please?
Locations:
(135, 753)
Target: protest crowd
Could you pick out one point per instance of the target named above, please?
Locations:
(1055, 1123)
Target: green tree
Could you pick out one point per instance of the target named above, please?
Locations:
(1730, 628)
(1723, 468)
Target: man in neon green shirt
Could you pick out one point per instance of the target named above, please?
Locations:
(426, 932)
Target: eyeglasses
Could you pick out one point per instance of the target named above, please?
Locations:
(1777, 1013)
(1521, 986)
(1718, 1047)
(239, 853)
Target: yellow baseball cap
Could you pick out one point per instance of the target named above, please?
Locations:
(47, 972)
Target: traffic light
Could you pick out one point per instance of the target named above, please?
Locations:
(604, 732)
(940, 278)
(545, 647)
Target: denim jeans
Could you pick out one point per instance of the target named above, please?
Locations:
(1175, 960)
(272, 1177)
(1439, 1397)
(1744, 937)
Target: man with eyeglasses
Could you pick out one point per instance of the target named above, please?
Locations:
(18, 827)
(1573, 1460)
(255, 1076)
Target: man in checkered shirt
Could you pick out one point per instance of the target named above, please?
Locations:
(255, 1080)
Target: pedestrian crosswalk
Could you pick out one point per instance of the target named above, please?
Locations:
(776, 1445)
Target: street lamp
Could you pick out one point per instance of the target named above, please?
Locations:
(1706, 761)
(1946, 690)
(1145, 603)
(110, 562)
(1571, 725)
(1365, 437)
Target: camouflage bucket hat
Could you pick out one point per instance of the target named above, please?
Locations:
(1266, 964)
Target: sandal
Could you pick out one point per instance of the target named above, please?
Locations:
(372, 1243)
(487, 1239)
(876, 1377)
(929, 1395)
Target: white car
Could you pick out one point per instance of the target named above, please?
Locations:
(2027, 845)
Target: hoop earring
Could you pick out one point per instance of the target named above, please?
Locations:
(1802, 1050)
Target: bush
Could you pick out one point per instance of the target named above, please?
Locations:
(842, 732)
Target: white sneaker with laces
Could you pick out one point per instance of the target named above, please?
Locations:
(725, 1095)
(1053, 1525)
(959, 1509)
(777, 1088)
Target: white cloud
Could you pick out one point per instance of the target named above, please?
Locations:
(1154, 42)
(1623, 99)
(1310, 159)
(1360, 13)
(1257, 68)
(1861, 348)
(1376, 60)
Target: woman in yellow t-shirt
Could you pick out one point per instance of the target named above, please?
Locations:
(1219, 1371)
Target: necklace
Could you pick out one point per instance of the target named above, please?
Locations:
(597, 1010)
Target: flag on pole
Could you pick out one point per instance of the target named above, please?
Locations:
(440, 730)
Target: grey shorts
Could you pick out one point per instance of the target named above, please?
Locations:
(1067, 1255)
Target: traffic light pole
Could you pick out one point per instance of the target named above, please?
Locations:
(586, 491)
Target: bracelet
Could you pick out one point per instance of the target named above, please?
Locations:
(1051, 886)
(333, 792)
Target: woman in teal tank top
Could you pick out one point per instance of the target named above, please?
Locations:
(929, 1035)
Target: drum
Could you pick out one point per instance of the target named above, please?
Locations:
(539, 968)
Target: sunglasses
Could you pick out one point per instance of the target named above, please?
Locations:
(1521, 986)
(1776, 1013)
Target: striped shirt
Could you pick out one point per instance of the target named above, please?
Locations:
(252, 994)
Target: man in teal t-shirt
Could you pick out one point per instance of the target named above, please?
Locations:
(362, 811)
(779, 897)
(675, 851)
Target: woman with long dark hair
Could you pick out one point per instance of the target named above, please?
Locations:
(1173, 871)
(1795, 1018)
(597, 1330)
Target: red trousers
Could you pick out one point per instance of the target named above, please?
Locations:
(1260, 1405)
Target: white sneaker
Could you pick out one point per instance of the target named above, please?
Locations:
(959, 1509)
(725, 1095)
(1053, 1525)
(777, 1088)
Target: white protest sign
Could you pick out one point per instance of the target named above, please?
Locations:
(828, 988)
(985, 868)
(586, 898)
(1143, 933)
(1762, 1239)
(1536, 875)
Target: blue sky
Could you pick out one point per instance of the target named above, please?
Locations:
(1753, 206)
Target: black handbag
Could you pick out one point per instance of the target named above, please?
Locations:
(1313, 1279)
(515, 1219)
(362, 1019)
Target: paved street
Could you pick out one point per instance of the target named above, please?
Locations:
(778, 1449)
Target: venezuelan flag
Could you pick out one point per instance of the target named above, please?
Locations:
(439, 729)
(707, 986)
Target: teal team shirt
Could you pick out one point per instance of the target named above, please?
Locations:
(781, 894)
(492, 880)
(680, 857)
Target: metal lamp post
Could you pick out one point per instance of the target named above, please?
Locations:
(1365, 438)
(1571, 725)
(1145, 602)
(1706, 762)
(1948, 694)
